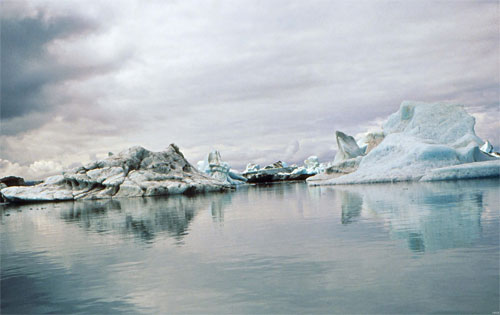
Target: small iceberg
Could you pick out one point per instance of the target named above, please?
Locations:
(311, 167)
(280, 171)
(487, 147)
(220, 170)
(421, 141)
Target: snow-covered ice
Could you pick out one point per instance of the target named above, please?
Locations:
(419, 138)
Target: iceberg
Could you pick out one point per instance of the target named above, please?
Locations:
(487, 147)
(134, 172)
(311, 167)
(252, 168)
(343, 163)
(347, 147)
(312, 163)
(417, 139)
(278, 171)
(220, 170)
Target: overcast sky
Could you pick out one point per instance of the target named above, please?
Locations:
(260, 81)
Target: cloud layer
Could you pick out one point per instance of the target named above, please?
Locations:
(258, 80)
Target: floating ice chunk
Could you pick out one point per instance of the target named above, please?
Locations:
(235, 175)
(278, 171)
(311, 163)
(347, 158)
(220, 170)
(487, 147)
(252, 168)
(311, 167)
(347, 147)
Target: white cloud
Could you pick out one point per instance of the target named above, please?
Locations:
(246, 78)
(37, 170)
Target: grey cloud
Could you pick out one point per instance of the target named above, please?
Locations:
(27, 66)
(30, 70)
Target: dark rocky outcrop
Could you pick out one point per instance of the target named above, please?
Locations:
(10, 181)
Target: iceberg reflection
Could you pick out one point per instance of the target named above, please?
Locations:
(217, 207)
(144, 218)
(430, 216)
(352, 204)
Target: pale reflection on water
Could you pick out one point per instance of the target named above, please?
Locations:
(286, 248)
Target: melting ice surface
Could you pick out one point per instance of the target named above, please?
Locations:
(400, 248)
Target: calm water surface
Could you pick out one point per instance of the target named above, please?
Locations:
(285, 248)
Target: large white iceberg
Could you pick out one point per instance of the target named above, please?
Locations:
(220, 170)
(417, 139)
(135, 172)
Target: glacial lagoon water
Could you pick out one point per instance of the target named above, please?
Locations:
(283, 248)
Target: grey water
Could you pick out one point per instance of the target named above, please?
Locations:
(283, 248)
